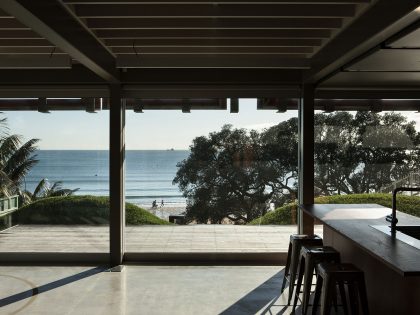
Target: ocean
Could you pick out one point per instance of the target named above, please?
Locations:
(149, 173)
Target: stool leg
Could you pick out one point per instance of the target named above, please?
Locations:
(286, 269)
(293, 270)
(301, 269)
(307, 283)
(318, 289)
(328, 289)
(363, 295)
(354, 308)
(343, 297)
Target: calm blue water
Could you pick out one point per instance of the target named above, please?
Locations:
(149, 174)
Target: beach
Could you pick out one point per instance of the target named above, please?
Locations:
(165, 211)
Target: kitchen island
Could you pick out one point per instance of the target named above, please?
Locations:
(391, 266)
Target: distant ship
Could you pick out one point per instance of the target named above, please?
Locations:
(171, 149)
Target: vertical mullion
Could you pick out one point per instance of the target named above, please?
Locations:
(306, 157)
(116, 175)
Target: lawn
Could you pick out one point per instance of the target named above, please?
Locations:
(91, 210)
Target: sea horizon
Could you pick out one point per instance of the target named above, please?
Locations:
(149, 173)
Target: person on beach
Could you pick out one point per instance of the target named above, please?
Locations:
(162, 204)
(154, 204)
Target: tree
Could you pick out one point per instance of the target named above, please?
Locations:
(16, 159)
(226, 176)
(45, 190)
(363, 153)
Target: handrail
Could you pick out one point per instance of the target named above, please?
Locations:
(8, 204)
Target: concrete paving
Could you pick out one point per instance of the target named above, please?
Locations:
(137, 290)
(168, 239)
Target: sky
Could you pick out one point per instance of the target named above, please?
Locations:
(151, 130)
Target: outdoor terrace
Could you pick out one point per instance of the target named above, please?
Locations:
(165, 239)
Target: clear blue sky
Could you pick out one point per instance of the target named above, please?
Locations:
(150, 130)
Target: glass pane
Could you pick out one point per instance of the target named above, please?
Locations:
(360, 157)
(210, 180)
(55, 189)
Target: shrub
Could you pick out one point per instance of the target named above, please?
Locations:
(91, 210)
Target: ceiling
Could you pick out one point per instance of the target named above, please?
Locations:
(231, 48)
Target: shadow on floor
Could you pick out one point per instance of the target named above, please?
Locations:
(49, 286)
(261, 299)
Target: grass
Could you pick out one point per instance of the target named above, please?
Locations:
(91, 210)
(287, 213)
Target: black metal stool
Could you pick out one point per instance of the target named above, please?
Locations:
(330, 275)
(295, 244)
(310, 256)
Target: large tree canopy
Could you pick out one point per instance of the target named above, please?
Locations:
(235, 174)
(228, 175)
(363, 153)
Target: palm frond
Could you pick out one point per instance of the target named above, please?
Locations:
(41, 189)
(20, 156)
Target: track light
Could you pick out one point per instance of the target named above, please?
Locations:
(376, 107)
(328, 108)
(234, 105)
(186, 108)
(281, 108)
(89, 104)
(42, 105)
(138, 107)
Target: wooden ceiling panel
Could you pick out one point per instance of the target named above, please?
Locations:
(215, 10)
(214, 23)
(107, 34)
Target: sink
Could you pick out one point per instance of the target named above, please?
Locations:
(409, 234)
(410, 230)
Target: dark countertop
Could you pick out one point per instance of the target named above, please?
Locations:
(353, 222)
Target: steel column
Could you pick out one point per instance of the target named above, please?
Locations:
(116, 175)
(306, 157)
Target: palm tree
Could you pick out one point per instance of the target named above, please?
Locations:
(44, 190)
(16, 159)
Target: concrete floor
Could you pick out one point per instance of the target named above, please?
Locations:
(168, 239)
(142, 290)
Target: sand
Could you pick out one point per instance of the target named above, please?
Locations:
(165, 211)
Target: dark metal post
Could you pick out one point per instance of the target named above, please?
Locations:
(116, 175)
(306, 158)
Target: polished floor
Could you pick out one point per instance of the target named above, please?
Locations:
(147, 290)
(162, 239)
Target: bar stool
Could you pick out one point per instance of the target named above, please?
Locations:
(310, 256)
(330, 275)
(295, 244)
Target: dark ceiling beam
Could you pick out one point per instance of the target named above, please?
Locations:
(107, 34)
(366, 32)
(211, 61)
(216, 2)
(77, 75)
(12, 24)
(355, 94)
(20, 34)
(212, 50)
(211, 91)
(211, 10)
(30, 50)
(55, 22)
(31, 42)
(283, 51)
(212, 76)
(292, 42)
(209, 23)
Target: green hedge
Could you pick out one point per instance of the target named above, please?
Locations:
(287, 213)
(79, 210)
